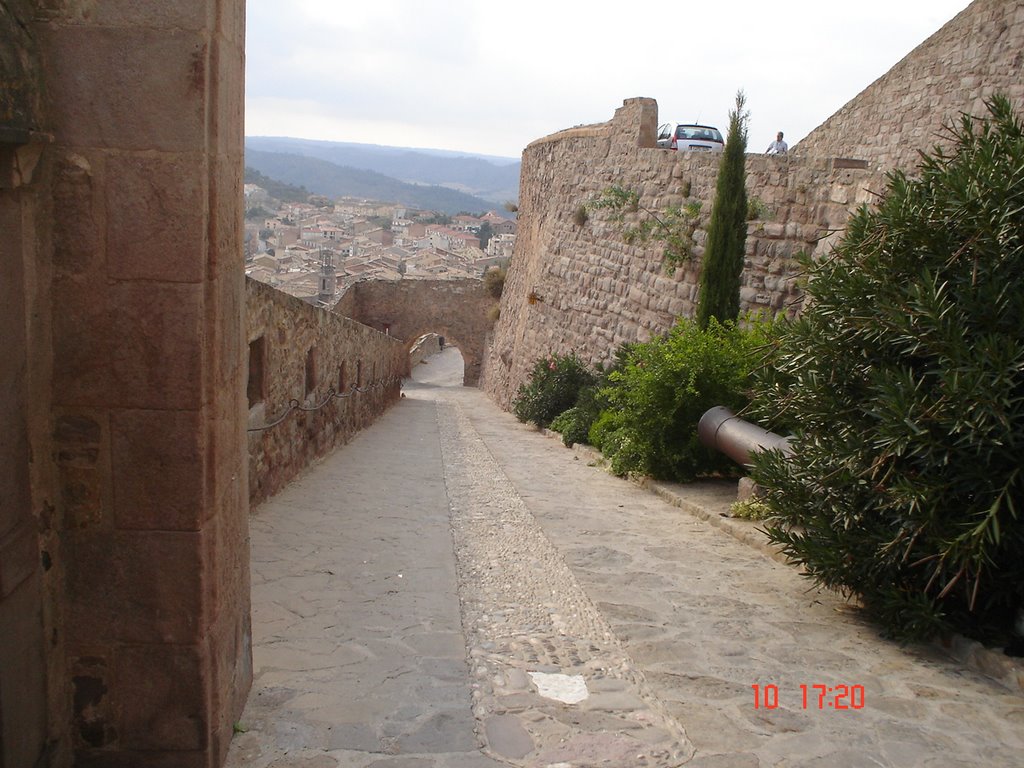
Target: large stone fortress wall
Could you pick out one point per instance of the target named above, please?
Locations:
(978, 53)
(579, 286)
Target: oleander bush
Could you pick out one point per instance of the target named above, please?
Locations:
(553, 387)
(903, 380)
(663, 387)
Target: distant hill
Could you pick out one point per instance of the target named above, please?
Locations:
(326, 178)
(287, 193)
(492, 178)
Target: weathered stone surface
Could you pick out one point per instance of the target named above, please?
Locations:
(159, 470)
(589, 277)
(137, 368)
(172, 14)
(156, 216)
(127, 88)
(155, 362)
(161, 707)
(507, 737)
(135, 587)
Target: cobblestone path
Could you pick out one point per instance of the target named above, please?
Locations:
(454, 590)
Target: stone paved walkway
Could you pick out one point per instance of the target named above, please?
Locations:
(433, 594)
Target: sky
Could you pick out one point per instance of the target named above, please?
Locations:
(489, 77)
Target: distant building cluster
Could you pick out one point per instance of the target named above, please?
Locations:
(316, 253)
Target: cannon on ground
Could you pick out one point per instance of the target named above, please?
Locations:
(740, 440)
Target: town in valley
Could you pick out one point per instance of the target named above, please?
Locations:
(315, 250)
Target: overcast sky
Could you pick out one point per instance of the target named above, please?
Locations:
(490, 77)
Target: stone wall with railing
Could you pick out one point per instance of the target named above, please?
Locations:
(315, 379)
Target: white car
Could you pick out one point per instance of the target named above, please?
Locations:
(690, 138)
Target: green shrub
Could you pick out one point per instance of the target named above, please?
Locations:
(904, 378)
(575, 423)
(750, 509)
(663, 388)
(554, 386)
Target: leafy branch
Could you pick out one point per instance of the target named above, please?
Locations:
(674, 226)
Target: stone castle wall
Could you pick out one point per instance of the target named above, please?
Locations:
(592, 291)
(300, 353)
(977, 54)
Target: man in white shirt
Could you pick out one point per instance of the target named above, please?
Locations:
(778, 147)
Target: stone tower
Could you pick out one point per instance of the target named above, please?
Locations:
(328, 277)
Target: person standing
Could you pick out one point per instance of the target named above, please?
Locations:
(778, 147)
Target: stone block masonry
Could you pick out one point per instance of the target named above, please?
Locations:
(578, 286)
(124, 561)
(301, 354)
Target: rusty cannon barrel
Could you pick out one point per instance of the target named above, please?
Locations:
(740, 440)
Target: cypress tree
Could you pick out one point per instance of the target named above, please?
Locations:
(727, 231)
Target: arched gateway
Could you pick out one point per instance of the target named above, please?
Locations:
(406, 309)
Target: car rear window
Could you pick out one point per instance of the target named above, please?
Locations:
(698, 132)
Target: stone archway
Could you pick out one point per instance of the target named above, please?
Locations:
(470, 373)
(406, 309)
(432, 364)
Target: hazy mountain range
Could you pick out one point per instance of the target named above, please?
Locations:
(449, 182)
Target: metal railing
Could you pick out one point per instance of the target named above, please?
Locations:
(332, 394)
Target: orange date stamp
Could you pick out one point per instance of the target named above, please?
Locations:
(814, 696)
